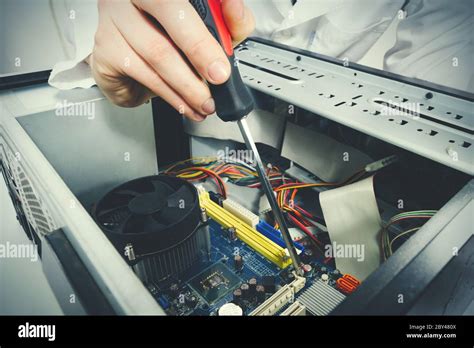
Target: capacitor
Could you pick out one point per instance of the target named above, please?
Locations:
(237, 296)
(260, 293)
(231, 233)
(190, 301)
(230, 309)
(269, 283)
(245, 291)
(252, 286)
(307, 269)
(324, 277)
(238, 262)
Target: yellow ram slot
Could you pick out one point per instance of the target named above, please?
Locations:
(264, 246)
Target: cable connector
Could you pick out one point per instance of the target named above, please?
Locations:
(377, 165)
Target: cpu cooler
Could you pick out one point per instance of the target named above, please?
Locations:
(156, 223)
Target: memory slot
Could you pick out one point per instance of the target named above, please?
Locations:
(274, 235)
(250, 236)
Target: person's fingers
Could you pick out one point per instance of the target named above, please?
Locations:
(239, 19)
(159, 52)
(187, 30)
(127, 80)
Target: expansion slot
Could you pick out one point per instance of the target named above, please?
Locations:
(243, 213)
(274, 235)
(250, 236)
(280, 298)
(295, 309)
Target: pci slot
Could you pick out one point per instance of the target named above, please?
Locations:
(280, 298)
(295, 309)
(247, 234)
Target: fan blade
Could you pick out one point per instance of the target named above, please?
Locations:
(122, 227)
(111, 210)
(161, 187)
(170, 215)
(128, 192)
(150, 225)
(180, 198)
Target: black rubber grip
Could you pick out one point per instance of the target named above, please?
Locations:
(233, 99)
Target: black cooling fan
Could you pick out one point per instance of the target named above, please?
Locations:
(159, 216)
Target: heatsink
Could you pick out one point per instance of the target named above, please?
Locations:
(320, 298)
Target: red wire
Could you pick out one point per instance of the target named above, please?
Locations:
(304, 229)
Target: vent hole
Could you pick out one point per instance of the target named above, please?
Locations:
(465, 144)
(458, 117)
(357, 97)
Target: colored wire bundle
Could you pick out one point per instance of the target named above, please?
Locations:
(244, 174)
(387, 243)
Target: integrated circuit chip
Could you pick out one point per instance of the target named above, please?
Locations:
(215, 282)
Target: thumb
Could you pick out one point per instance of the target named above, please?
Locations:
(239, 19)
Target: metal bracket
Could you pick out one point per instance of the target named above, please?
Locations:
(432, 122)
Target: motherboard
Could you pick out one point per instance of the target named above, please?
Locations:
(234, 279)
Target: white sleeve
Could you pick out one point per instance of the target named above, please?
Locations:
(77, 22)
(434, 43)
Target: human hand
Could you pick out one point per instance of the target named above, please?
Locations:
(146, 48)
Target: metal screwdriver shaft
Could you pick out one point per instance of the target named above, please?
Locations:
(267, 188)
(234, 102)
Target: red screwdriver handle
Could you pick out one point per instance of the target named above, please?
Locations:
(233, 99)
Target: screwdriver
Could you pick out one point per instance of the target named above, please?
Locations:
(234, 102)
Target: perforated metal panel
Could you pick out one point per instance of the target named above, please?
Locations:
(430, 123)
(36, 212)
